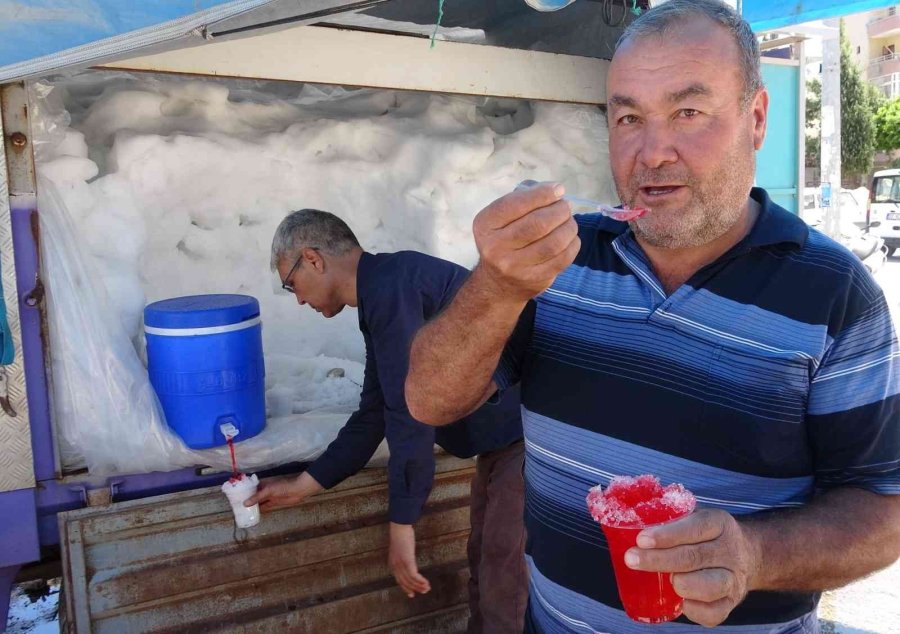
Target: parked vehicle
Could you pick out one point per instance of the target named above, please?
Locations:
(869, 248)
(853, 206)
(884, 208)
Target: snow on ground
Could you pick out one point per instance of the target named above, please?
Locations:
(33, 609)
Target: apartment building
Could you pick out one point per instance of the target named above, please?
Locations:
(875, 44)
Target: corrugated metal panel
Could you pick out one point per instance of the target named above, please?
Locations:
(176, 563)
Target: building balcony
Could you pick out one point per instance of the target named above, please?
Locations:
(884, 27)
(885, 65)
(888, 84)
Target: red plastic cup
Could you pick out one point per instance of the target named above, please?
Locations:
(623, 509)
(647, 597)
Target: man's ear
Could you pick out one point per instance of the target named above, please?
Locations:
(314, 259)
(759, 108)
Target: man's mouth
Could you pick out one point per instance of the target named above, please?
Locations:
(651, 191)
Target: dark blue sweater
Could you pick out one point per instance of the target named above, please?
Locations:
(397, 294)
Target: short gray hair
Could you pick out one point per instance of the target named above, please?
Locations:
(311, 228)
(658, 19)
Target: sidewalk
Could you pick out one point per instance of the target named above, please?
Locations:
(870, 606)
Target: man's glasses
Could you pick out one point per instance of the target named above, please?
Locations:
(285, 282)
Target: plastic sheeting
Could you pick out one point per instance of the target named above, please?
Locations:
(106, 412)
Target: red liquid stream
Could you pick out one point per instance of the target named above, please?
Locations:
(234, 470)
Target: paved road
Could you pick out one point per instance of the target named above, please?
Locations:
(870, 606)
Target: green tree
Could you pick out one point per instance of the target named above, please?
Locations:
(813, 122)
(887, 126)
(857, 116)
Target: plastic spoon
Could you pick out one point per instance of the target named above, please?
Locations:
(590, 206)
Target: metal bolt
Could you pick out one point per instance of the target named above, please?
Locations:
(18, 139)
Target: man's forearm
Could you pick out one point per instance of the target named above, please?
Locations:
(453, 358)
(307, 485)
(841, 536)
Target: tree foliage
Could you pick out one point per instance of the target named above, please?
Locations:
(857, 115)
(887, 126)
(813, 122)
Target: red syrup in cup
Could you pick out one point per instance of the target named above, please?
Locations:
(626, 507)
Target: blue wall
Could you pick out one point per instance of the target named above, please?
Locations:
(777, 161)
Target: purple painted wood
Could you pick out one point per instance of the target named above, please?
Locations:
(25, 247)
(18, 539)
(7, 576)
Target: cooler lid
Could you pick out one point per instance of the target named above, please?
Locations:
(201, 311)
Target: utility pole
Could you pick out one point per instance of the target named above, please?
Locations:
(831, 131)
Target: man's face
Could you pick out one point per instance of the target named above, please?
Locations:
(681, 141)
(313, 282)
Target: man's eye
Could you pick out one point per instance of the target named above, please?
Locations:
(688, 113)
(628, 119)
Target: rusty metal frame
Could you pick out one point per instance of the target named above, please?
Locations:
(176, 563)
(17, 190)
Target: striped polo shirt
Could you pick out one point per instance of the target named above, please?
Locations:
(771, 374)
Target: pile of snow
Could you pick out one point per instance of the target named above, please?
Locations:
(176, 186)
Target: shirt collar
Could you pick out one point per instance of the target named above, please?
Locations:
(775, 224)
(363, 272)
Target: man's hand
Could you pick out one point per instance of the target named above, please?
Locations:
(402, 560)
(714, 560)
(277, 493)
(525, 239)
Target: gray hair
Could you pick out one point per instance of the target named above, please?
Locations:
(658, 19)
(311, 228)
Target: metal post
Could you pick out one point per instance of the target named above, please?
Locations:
(801, 126)
(28, 298)
(831, 130)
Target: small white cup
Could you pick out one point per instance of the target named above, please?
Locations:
(237, 492)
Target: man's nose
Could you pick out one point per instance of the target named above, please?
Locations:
(657, 145)
(301, 301)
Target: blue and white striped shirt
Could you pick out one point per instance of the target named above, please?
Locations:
(772, 373)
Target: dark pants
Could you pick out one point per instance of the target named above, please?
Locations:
(498, 587)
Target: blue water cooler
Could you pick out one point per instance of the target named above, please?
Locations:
(205, 358)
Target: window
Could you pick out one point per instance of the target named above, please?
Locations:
(887, 189)
(858, 50)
